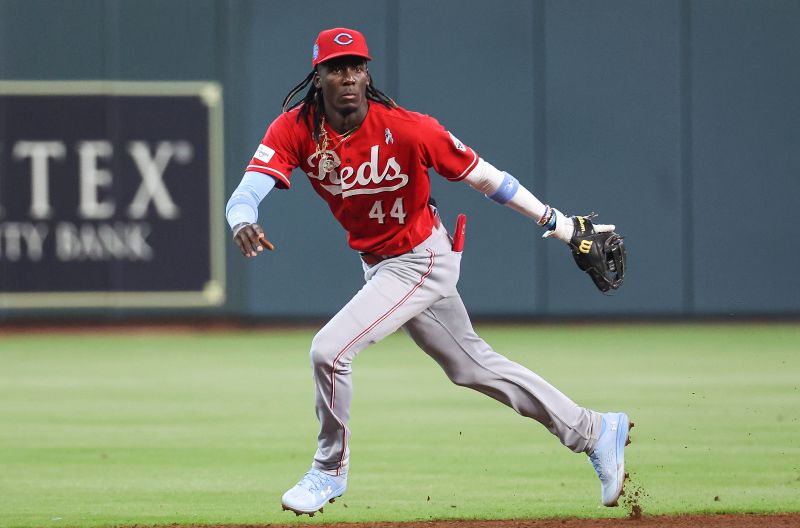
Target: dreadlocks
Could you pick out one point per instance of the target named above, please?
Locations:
(313, 99)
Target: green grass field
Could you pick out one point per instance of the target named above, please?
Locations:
(203, 427)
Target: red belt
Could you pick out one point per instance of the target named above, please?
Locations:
(370, 259)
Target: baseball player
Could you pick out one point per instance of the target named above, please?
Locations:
(368, 159)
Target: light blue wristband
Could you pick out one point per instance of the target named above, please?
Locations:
(506, 191)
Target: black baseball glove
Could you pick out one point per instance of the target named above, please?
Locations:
(601, 255)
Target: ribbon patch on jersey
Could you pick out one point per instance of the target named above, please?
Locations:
(387, 134)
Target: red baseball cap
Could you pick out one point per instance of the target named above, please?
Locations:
(337, 42)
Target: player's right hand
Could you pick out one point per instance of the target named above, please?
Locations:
(251, 240)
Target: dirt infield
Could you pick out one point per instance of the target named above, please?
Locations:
(783, 520)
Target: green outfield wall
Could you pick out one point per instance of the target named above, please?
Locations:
(677, 120)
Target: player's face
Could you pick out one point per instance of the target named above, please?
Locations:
(343, 82)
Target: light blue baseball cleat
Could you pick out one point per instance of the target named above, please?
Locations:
(608, 456)
(313, 491)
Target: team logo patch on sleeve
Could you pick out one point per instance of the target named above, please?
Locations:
(459, 145)
(264, 153)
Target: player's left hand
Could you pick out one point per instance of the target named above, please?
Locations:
(251, 240)
(601, 254)
(565, 227)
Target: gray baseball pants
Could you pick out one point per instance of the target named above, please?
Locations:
(417, 291)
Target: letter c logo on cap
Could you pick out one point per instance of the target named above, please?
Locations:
(343, 39)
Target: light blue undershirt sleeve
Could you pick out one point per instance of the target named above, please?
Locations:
(243, 203)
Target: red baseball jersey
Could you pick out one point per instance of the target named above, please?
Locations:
(379, 188)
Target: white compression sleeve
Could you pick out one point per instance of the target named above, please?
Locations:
(485, 178)
(243, 203)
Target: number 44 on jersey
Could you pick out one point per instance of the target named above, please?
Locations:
(397, 211)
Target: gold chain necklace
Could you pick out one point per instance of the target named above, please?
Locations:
(328, 161)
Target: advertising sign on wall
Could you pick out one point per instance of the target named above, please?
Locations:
(109, 194)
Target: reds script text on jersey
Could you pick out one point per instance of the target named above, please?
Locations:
(379, 189)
